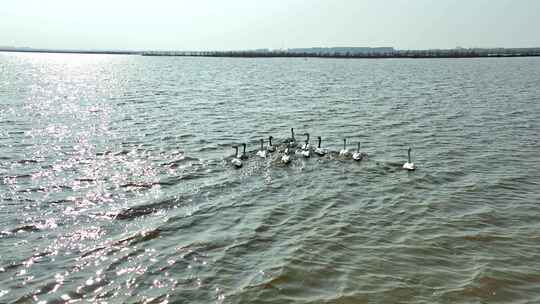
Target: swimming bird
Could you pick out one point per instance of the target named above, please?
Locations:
(262, 151)
(319, 151)
(286, 158)
(291, 141)
(306, 145)
(270, 147)
(357, 155)
(304, 150)
(236, 161)
(244, 155)
(344, 151)
(409, 165)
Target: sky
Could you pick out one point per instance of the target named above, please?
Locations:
(274, 24)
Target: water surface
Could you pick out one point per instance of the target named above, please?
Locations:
(116, 187)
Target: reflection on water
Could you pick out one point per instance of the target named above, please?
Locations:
(115, 181)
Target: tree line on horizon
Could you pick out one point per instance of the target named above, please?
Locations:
(452, 53)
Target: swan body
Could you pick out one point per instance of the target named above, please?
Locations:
(262, 152)
(344, 151)
(320, 151)
(244, 155)
(357, 155)
(270, 148)
(305, 153)
(286, 158)
(236, 162)
(409, 165)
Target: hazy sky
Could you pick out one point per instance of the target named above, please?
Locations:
(248, 24)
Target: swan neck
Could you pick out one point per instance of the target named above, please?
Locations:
(409, 155)
(319, 145)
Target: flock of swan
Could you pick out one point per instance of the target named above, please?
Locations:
(305, 150)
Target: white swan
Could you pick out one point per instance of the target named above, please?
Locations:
(262, 151)
(235, 161)
(306, 145)
(244, 155)
(270, 147)
(305, 153)
(344, 151)
(357, 155)
(409, 165)
(286, 158)
(291, 141)
(320, 151)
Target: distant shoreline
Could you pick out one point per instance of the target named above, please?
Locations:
(407, 54)
(345, 56)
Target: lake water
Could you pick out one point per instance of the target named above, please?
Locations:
(116, 184)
